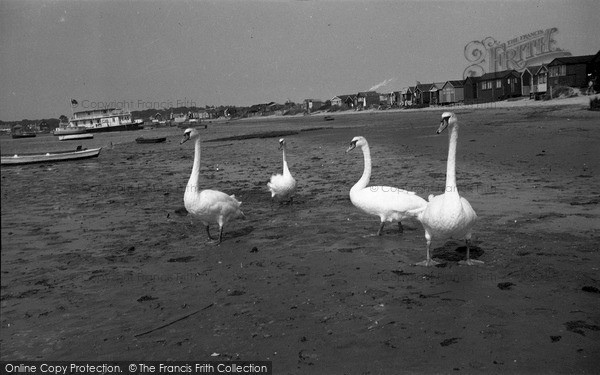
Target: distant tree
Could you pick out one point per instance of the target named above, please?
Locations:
(63, 118)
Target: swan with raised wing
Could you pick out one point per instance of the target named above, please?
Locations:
(448, 215)
(389, 203)
(209, 206)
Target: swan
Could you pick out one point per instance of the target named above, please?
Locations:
(448, 215)
(389, 203)
(209, 206)
(283, 186)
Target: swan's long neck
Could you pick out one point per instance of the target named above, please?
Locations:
(194, 182)
(451, 164)
(286, 170)
(366, 176)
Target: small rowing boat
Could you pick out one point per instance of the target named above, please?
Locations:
(70, 137)
(151, 140)
(52, 156)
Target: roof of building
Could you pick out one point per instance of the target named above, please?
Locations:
(570, 60)
(456, 84)
(496, 75)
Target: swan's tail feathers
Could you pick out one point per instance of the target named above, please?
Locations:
(416, 212)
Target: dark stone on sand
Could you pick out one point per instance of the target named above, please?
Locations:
(555, 338)
(254, 250)
(590, 289)
(235, 292)
(180, 259)
(450, 341)
(505, 286)
(146, 298)
(578, 326)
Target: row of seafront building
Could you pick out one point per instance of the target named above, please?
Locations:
(534, 82)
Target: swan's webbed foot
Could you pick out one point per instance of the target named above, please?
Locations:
(470, 262)
(427, 263)
(216, 242)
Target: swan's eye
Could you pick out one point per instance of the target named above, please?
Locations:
(353, 143)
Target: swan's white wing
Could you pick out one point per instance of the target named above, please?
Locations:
(387, 202)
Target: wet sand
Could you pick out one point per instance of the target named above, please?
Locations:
(97, 256)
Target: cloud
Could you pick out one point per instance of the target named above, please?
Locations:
(381, 84)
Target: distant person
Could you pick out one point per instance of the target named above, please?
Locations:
(590, 89)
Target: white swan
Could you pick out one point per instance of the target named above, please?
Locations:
(283, 186)
(448, 215)
(389, 203)
(209, 206)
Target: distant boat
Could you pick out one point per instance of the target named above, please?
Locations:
(24, 135)
(105, 120)
(53, 156)
(151, 140)
(66, 129)
(17, 132)
(328, 118)
(70, 137)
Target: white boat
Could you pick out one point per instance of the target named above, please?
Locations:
(70, 137)
(50, 156)
(104, 120)
(66, 129)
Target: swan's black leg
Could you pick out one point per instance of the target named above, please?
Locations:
(380, 228)
(220, 235)
(400, 227)
(208, 232)
(469, 261)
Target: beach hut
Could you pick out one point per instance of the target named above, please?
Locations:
(366, 99)
(534, 80)
(407, 96)
(498, 86)
(343, 101)
(572, 71)
(434, 92)
(453, 92)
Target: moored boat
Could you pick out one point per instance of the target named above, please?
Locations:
(52, 156)
(18, 132)
(151, 140)
(66, 129)
(70, 137)
(104, 120)
(23, 135)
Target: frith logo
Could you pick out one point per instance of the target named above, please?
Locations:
(489, 55)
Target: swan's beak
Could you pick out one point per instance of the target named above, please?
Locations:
(352, 147)
(280, 146)
(443, 125)
(186, 137)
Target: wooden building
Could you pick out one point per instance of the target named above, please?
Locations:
(534, 81)
(493, 86)
(572, 71)
(453, 92)
(367, 99)
(344, 101)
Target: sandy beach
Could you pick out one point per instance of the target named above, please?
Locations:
(97, 255)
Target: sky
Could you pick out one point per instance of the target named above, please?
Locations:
(160, 53)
